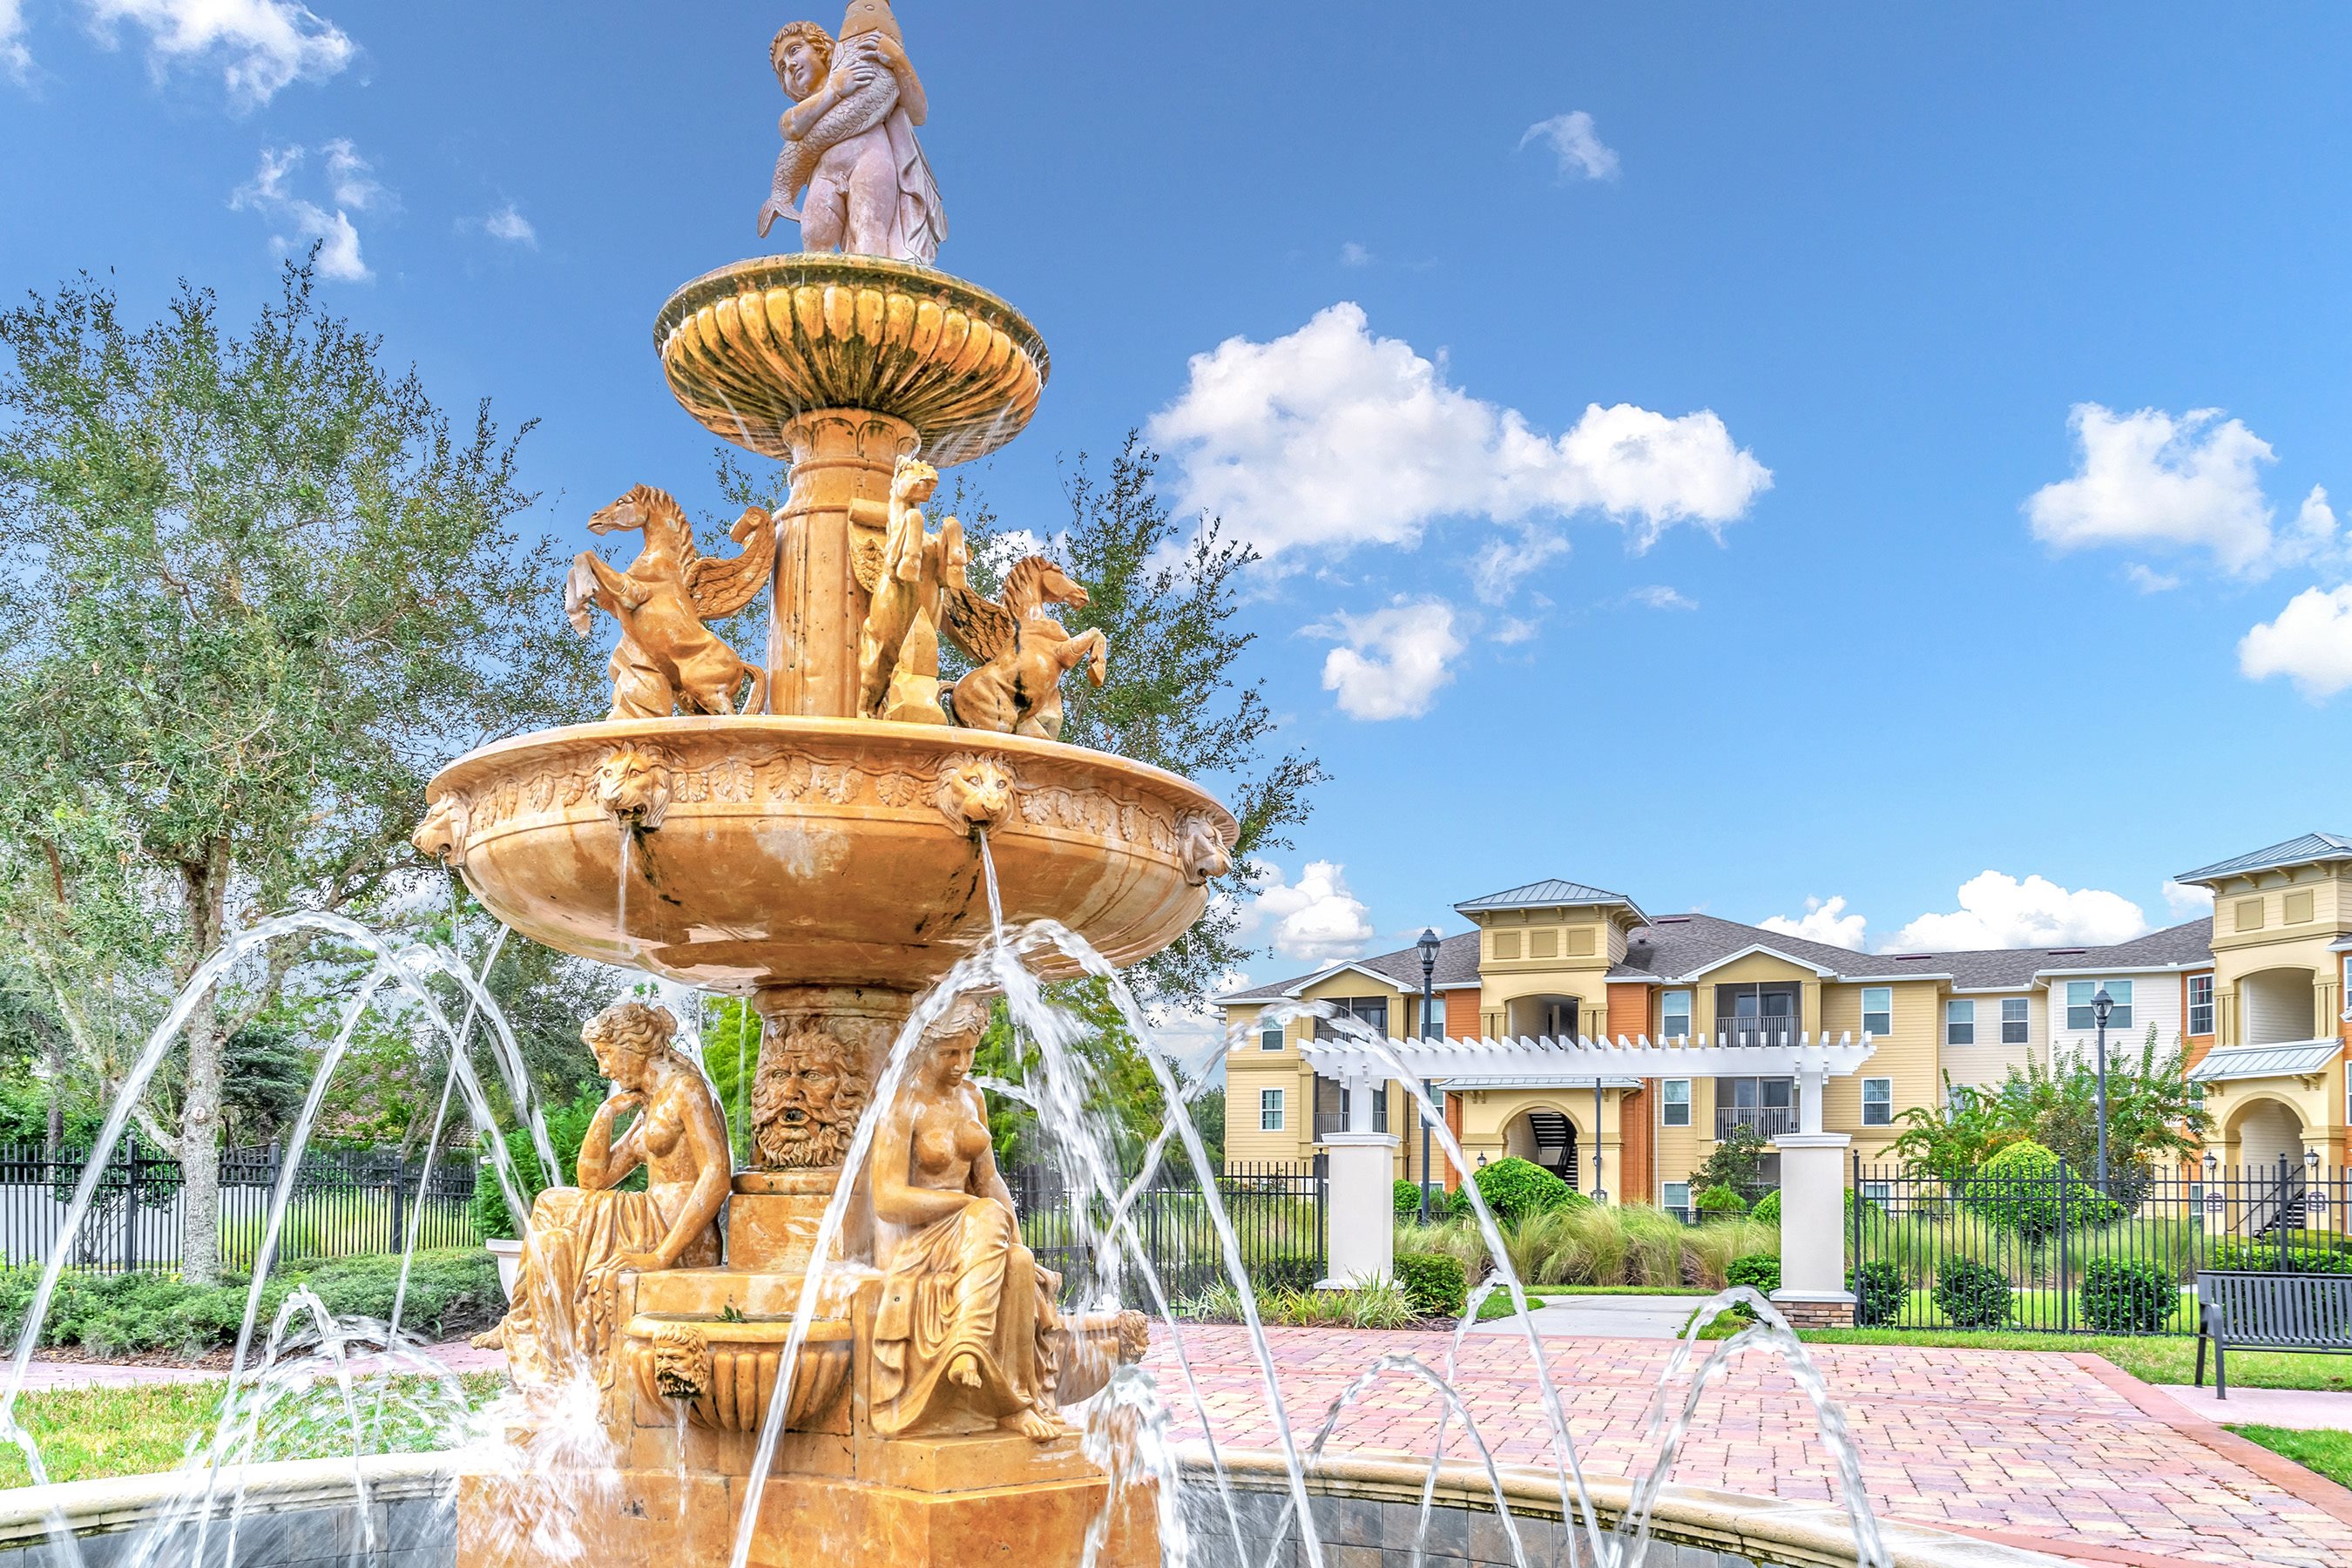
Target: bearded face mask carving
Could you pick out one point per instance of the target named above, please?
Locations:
(806, 1100)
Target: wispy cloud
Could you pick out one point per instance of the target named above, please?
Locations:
(1658, 597)
(1353, 254)
(16, 60)
(1575, 144)
(508, 225)
(302, 222)
(261, 44)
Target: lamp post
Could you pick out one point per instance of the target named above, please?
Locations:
(2215, 1205)
(1599, 1193)
(2314, 1191)
(2101, 1005)
(1428, 946)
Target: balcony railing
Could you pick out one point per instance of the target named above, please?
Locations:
(1759, 1031)
(1764, 1120)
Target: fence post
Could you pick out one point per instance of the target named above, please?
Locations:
(2065, 1257)
(130, 1205)
(1812, 1293)
(1853, 1224)
(399, 1193)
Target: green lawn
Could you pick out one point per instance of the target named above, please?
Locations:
(2327, 1452)
(2038, 1310)
(91, 1432)
(2156, 1359)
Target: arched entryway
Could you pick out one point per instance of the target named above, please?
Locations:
(1547, 1137)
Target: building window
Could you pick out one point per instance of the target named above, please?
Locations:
(1269, 1037)
(1674, 1015)
(1673, 1103)
(1270, 1110)
(1878, 1102)
(1674, 1198)
(2200, 1004)
(1878, 1010)
(2016, 1025)
(2080, 1014)
(1371, 1012)
(1959, 1023)
(1433, 1018)
(1879, 1193)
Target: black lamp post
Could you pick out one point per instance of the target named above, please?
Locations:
(2101, 1005)
(1428, 946)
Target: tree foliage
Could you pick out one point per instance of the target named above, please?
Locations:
(2153, 1114)
(256, 587)
(1166, 593)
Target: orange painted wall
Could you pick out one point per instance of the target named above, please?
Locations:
(1462, 1013)
(1637, 1135)
(1629, 1009)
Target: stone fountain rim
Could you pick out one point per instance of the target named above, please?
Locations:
(1776, 1530)
(944, 739)
(828, 266)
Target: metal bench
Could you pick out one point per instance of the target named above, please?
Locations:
(2270, 1310)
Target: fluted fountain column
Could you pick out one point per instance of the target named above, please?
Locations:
(838, 456)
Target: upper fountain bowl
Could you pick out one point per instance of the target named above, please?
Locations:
(741, 852)
(751, 347)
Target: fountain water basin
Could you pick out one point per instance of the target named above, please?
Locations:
(746, 852)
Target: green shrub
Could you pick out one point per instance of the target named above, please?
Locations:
(1973, 1295)
(567, 1125)
(1285, 1271)
(1721, 1203)
(2122, 1295)
(1406, 1200)
(1514, 1188)
(2265, 1256)
(1759, 1271)
(1768, 1208)
(1434, 1283)
(2019, 1188)
(1880, 1291)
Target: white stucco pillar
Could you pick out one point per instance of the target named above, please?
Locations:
(1359, 1212)
(1812, 1292)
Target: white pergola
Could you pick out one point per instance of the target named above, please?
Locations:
(1546, 1062)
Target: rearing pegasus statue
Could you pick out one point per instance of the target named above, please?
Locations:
(668, 658)
(1022, 651)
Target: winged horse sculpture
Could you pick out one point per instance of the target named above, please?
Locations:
(668, 660)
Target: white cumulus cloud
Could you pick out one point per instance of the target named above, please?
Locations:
(1575, 144)
(1998, 910)
(2188, 481)
(15, 58)
(303, 221)
(1824, 921)
(1331, 437)
(1315, 919)
(2187, 902)
(2310, 642)
(1658, 597)
(507, 224)
(1391, 661)
(261, 44)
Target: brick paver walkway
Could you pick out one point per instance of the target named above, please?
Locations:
(2053, 1452)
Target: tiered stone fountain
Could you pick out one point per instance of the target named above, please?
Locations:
(811, 835)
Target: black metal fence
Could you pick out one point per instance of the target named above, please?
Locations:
(2051, 1251)
(344, 1203)
(1278, 1208)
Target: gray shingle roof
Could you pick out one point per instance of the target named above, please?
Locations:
(1553, 892)
(2303, 851)
(1673, 946)
(1457, 964)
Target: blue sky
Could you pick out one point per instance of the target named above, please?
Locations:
(2035, 318)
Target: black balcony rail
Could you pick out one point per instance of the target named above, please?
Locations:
(1279, 1211)
(1764, 1120)
(344, 1203)
(2048, 1252)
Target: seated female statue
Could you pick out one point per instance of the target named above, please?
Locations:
(582, 1239)
(966, 1314)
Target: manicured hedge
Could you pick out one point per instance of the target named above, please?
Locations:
(2019, 1188)
(1881, 1290)
(1973, 1295)
(2123, 1297)
(1514, 1188)
(1759, 1271)
(1434, 1283)
(1720, 1202)
(1405, 1199)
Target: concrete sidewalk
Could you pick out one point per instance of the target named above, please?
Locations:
(453, 1356)
(1603, 1317)
(2310, 1410)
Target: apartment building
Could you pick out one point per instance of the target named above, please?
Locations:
(2256, 1006)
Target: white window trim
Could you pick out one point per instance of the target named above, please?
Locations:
(1664, 1104)
(1687, 1015)
(1886, 1012)
(1271, 1099)
(1866, 1102)
(1954, 1008)
(2213, 1003)
(2024, 1021)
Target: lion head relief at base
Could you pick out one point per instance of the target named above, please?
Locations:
(633, 786)
(975, 792)
(442, 835)
(1202, 850)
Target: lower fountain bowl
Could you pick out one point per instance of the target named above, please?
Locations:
(732, 853)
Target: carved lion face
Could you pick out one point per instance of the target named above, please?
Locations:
(1202, 851)
(806, 1099)
(975, 792)
(442, 834)
(634, 786)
